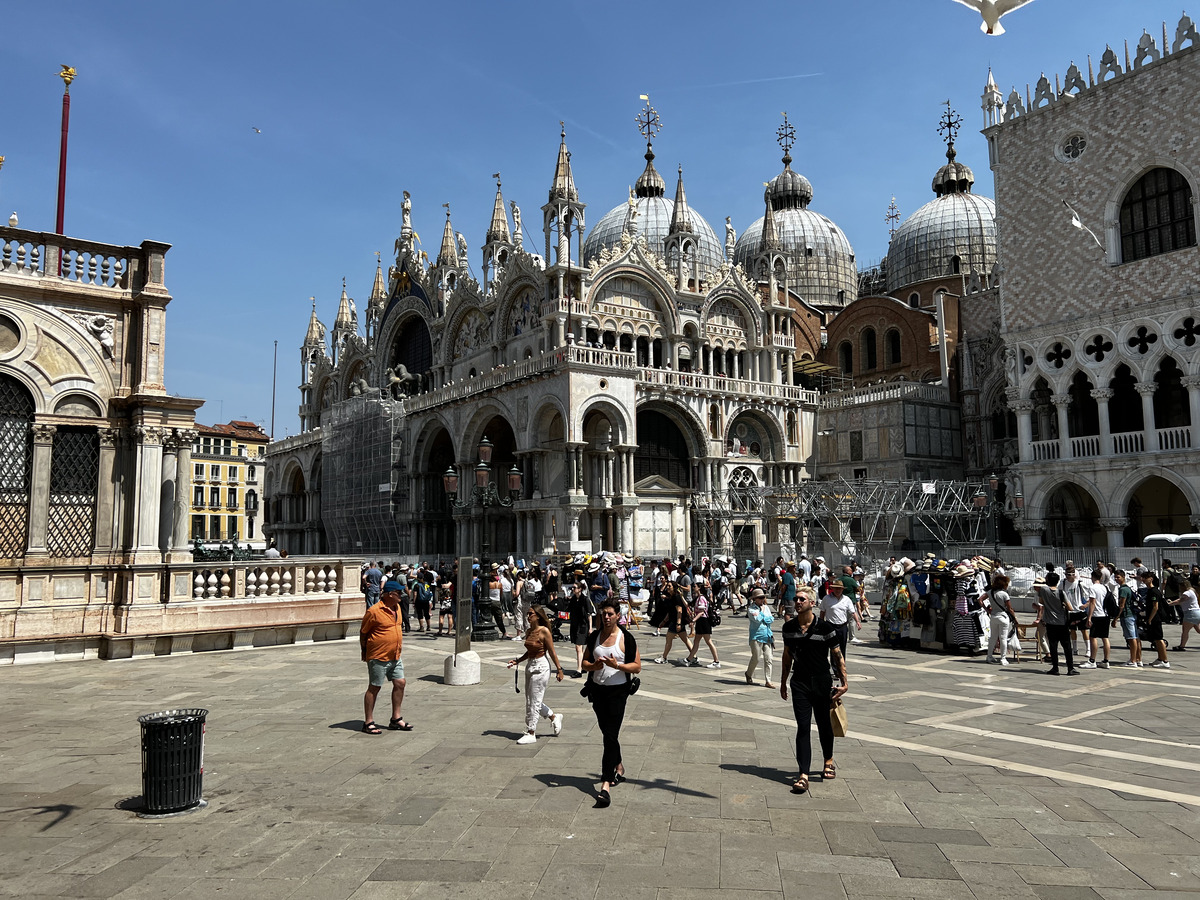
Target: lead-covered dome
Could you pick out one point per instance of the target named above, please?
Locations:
(953, 234)
(653, 222)
(821, 260)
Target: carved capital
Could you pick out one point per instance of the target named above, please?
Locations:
(1060, 399)
(1104, 394)
(1021, 406)
(187, 435)
(1146, 387)
(1117, 523)
(1031, 526)
(111, 437)
(1190, 381)
(149, 434)
(43, 434)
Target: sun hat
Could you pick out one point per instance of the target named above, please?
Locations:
(593, 568)
(962, 569)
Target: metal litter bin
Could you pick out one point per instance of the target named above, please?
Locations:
(172, 760)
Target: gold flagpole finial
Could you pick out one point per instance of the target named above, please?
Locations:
(67, 75)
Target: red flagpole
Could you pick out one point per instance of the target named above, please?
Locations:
(67, 74)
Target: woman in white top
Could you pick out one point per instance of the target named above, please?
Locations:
(611, 660)
(1189, 609)
(1001, 622)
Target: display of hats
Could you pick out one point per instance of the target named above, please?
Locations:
(896, 570)
(963, 569)
(906, 564)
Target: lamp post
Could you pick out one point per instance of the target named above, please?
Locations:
(484, 495)
(989, 500)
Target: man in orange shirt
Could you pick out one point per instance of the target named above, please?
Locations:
(381, 637)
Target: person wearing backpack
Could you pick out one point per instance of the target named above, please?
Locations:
(1099, 610)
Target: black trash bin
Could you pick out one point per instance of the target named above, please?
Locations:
(172, 760)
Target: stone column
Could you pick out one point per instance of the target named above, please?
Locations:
(1061, 403)
(1024, 411)
(183, 488)
(1150, 437)
(1192, 383)
(39, 487)
(1031, 532)
(106, 507)
(1114, 529)
(1102, 396)
(149, 467)
(169, 490)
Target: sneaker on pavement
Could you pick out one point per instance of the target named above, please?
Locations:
(527, 739)
(1003, 661)
(715, 664)
(1103, 664)
(660, 660)
(557, 721)
(1087, 665)
(692, 661)
(1160, 664)
(1130, 665)
(855, 640)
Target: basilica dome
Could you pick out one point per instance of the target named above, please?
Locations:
(820, 258)
(653, 222)
(953, 234)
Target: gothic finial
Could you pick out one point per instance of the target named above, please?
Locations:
(786, 135)
(949, 124)
(892, 217)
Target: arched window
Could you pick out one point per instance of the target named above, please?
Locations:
(1157, 215)
(955, 265)
(793, 431)
(870, 354)
(892, 340)
(846, 358)
(16, 460)
(914, 300)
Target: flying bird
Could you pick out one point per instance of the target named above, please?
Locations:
(257, 130)
(992, 10)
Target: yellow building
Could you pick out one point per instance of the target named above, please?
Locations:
(227, 466)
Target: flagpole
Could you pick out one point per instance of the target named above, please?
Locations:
(67, 75)
(274, 372)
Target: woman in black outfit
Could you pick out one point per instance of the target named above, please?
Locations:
(611, 660)
(809, 646)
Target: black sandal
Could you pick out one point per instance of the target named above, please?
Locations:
(399, 725)
(602, 800)
(371, 728)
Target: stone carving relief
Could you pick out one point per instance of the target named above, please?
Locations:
(471, 335)
(524, 316)
(726, 320)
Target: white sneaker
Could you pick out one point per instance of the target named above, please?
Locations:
(660, 660)
(1130, 665)
(1140, 664)
(855, 640)
(1160, 664)
(1088, 664)
(527, 739)
(1103, 664)
(715, 664)
(1004, 661)
(557, 722)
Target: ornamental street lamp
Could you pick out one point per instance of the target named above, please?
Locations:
(990, 501)
(484, 495)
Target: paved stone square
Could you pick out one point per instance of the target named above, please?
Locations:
(961, 780)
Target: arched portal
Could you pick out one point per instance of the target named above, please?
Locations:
(1072, 518)
(499, 522)
(436, 528)
(412, 349)
(1155, 507)
(662, 450)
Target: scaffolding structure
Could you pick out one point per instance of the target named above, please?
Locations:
(360, 479)
(834, 509)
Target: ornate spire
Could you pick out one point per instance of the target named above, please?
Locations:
(498, 230)
(379, 288)
(345, 318)
(448, 255)
(770, 242)
(316, 331)
(681, 216)
(563, 187)
(788, 189)
(649, 183)
(954, 177)
(892, 217)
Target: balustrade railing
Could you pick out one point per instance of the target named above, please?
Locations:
(878, 393)
(39, 254)
(1128, 442)
(1087, 445)
(1046, 450)
(279, 578)
(719, 384)
(1179, 438)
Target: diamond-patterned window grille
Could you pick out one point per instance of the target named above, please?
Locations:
(16, 463)
(74, 467)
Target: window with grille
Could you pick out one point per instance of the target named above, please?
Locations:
(16, 461)
(1157, 215)
(74, 471)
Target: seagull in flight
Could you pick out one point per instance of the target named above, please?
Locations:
(992, 10)
(257, 130)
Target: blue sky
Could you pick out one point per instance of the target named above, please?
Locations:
(360, 101)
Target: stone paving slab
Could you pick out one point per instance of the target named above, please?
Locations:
(959, 779)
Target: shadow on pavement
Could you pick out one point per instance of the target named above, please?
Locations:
(584, 785)
(766, 773)
(60, 810)
(351, 725)
(507, 735)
